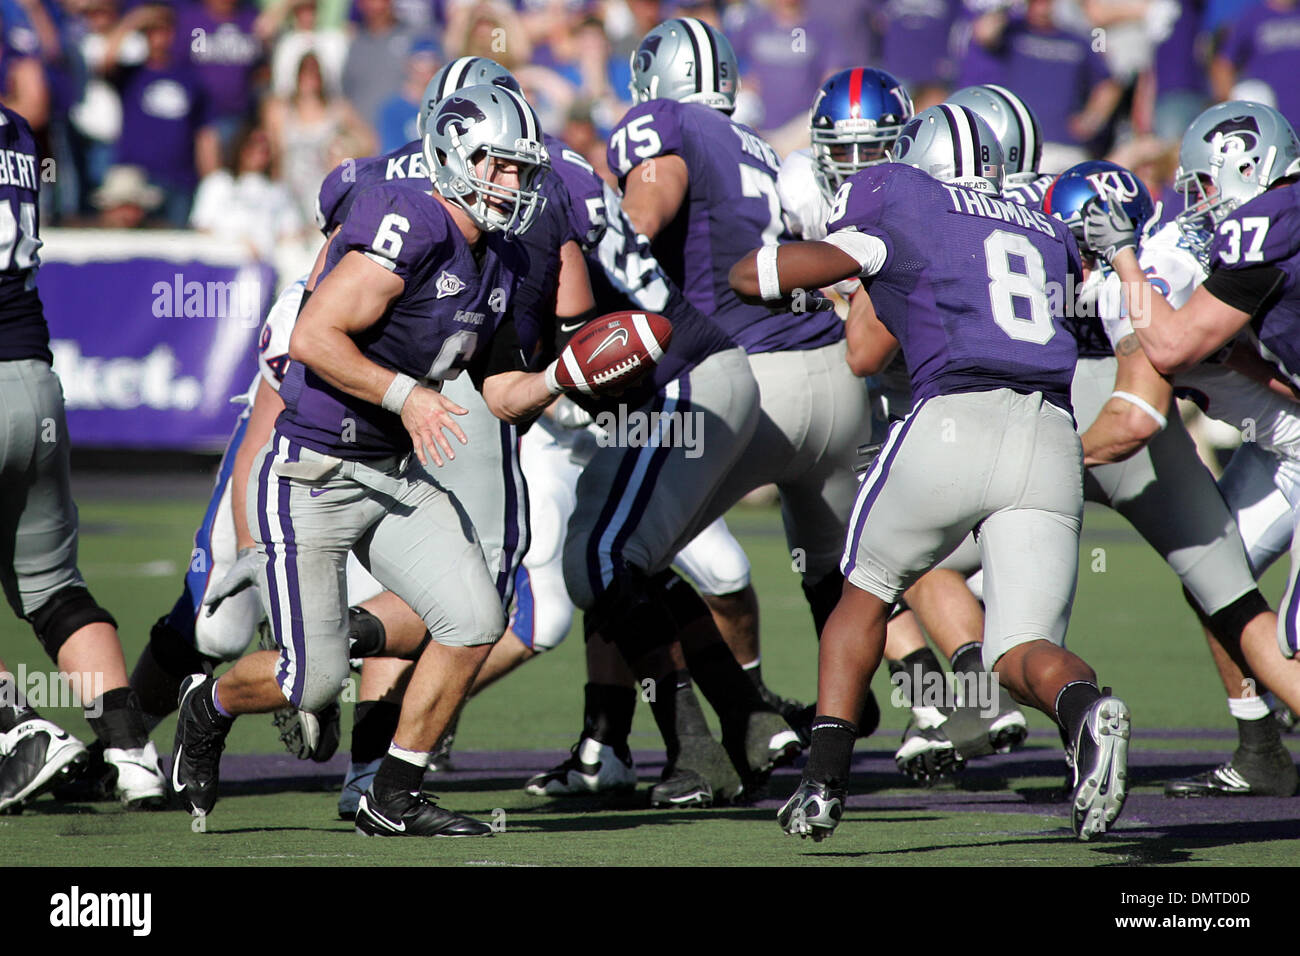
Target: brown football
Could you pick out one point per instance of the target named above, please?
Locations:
(613, 351)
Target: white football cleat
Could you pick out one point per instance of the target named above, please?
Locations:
(141, 784)
(592, 767)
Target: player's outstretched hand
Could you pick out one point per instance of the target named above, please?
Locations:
(1108, 230)
(242, 574)
(425, 415)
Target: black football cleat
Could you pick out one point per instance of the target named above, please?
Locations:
(35, 756)
(1250, 773)
(413, 814)
(1100, 768)
(200, 739)
(814, 810)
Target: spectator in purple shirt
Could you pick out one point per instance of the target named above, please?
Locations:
(218, 40)
(784, 55)
(916, 44)
(1180, 86)
(1064, 81)
(166, 119)
(1263, 44)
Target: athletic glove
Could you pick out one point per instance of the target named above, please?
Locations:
(1108, 231)
(242, 574)
(569, 414)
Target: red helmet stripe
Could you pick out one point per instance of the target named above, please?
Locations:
(855, 93)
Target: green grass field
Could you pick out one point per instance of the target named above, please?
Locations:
(1130, 623)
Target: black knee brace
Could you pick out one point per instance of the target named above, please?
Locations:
(682, 601)
(176, 656)
(1227, 624)
(63, 615)
(632, 615)
(822, 598)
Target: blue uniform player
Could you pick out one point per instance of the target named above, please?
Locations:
(38, 531)
(990, 443)
(417, 288)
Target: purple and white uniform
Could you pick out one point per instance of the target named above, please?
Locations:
(486, 476)
(990, 443)
(1255, 267)
(36, 507)
(337, 473)
(556, 449)
(814, 412)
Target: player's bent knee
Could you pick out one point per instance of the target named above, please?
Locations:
(683, 602)
(632, 615)
(63, 615)
(1227, 624)
(174, 654)
(550, 628)
(320, 686)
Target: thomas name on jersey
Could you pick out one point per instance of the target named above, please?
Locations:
(971, 203)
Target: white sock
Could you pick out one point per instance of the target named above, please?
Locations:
(1247, 708)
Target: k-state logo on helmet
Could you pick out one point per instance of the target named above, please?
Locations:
(1242, 128)
(1114, 184)
(645, 55)
(461, 112)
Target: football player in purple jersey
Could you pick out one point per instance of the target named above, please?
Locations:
(990, 444)
(38, 532)
(417, 287)
(703, 189)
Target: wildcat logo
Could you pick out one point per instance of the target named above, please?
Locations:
(1243, 130)
(1115, 185)
(460, 113)
(449, 284)
(646, 54)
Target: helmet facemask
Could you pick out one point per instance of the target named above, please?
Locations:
(851, 146)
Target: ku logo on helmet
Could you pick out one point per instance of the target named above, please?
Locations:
(1114, 184)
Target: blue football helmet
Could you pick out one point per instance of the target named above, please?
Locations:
(1098, 179)
(856, 118)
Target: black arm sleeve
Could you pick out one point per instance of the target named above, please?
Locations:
(503, 354)
(567, 326)
(1248, 290)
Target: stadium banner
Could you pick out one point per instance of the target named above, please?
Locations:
(152, 333)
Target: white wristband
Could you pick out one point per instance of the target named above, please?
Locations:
(552, 382)
(769, 283)
(397, 393)
(1142, 404)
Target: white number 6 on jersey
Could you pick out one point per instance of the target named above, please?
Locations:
(387, 242)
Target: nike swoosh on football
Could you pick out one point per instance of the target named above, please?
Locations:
(617, 333)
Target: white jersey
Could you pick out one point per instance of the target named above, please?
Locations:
(1224, 394)
(802, 200)
(1028, 193)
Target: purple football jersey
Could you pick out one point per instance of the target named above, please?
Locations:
(352, 176)
(731, 207)
(581, 208)
(441, 323)
(1266, 232)
(23, 332)
(976, 311)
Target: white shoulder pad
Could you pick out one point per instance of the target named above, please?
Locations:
(802, 201)
(273, 343)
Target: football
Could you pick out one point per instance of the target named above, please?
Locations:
(612, 352)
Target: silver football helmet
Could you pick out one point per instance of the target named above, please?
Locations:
(954, 146)
(685, 59)
(1012, 122)
(1229, 155)
(470, 136)
(459, 73)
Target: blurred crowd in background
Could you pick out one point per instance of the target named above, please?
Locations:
(224, 115)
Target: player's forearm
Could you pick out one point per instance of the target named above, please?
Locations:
(1120, 431)
(332, 355)
(870, 344)
(654, 193)
(795, 266)
(517, 396)
(1152, 316)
